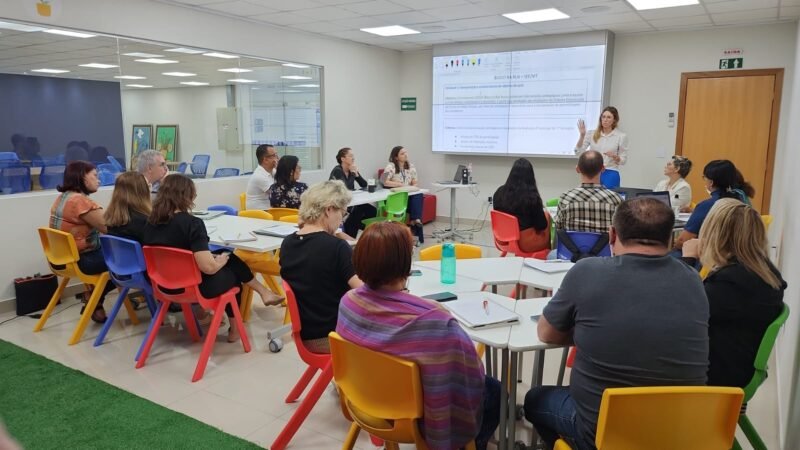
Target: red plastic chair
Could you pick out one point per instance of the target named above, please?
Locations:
(172, 268)
(505, 228)
(315, 361)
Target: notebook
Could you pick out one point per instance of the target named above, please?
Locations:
(549, 266)
(277, 230)
(404, 189)
(471, 313)
(231, 237)
(207, 215)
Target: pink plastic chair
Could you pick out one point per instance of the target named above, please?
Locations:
(315, 361)
(172, 268)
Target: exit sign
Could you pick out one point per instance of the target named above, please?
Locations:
(731, 63)
(408, 104)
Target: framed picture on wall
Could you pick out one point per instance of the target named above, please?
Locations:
(141, 139)
(167, 141)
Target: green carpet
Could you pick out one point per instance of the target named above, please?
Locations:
(47, 405)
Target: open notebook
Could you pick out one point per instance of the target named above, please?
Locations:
(277, 230)
(549, 266)
(207, 215)
(471, 313)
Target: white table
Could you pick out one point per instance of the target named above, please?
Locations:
(452, 233)
(490, 271)
(363, 197)
(430, 281)
(235, 224)
(541, 280)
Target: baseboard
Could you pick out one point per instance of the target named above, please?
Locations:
(10, 305)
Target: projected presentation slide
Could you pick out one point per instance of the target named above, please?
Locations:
(518, 103)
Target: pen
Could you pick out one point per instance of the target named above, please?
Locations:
(486, 307)
(551, 261)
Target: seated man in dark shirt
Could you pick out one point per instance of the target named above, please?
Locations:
(639, 318)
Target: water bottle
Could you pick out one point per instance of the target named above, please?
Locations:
(448, 263)
(469, 171)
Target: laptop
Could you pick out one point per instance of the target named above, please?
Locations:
(663, 196)
(457, 178)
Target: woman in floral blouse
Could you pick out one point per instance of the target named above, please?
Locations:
(286, 191)
(400, 172)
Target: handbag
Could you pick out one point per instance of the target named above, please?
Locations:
(34, 293)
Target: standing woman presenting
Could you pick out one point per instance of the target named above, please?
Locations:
(609, 141)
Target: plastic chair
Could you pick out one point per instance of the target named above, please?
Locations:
(17, 178)
(242, 201)
(229, 210)
(584, 241)
(106, 177)
(127, 270)
(114, 162)
(9, 157)
(553, 202)
(667, 418)
(107, 167)
(292, 218)
(505, 228)
(51, 176)
(463, 251)
(256, 214)
(277, 213)
(172, 268)
(199, 166)
(182, 167)
(379, 393)
(316, 362)
(760, 364)
(767, 219)
(265, 264)
(393, 209)
(62, 256)
(226, 172)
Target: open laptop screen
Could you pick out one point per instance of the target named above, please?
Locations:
(662, 196)
(459, 173)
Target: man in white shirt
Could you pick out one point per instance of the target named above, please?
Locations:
(262, 178)
(152, 165)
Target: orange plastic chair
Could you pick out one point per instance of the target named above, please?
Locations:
(379, 393)
(666, 418)
(277, 213)
(173, 268)
(242, 201)
(291, 218)
(316, 362)
(463, 251)
(505, 228)
(62, 255)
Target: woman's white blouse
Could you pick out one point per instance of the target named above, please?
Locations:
(616, 141)
(680, 193)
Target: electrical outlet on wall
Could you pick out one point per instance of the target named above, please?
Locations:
(490, 200)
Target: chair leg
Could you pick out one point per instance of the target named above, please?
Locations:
(50, 306)
(352, 436)
(301, 385)
(247, 302)
(90, 307)
(191, 323)
(155, 325)
(562, 368)
(111, 317)
(131, 311)
(751, 433)
(151, 304)
(208, 345)
(149, 330)
(304, 409)
(237, 316)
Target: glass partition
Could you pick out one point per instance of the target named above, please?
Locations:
(80, 95)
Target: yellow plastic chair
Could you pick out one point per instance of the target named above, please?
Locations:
(292, 218)
(62, 255)
(255, 214)
(265, 264)
(379, 393)
(277, 213)
(463, 251)
(767, 219)
(667, 418)
(242, 201)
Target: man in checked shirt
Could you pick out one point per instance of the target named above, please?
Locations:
(589, 207)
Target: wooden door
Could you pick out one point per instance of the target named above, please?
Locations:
(731, 115)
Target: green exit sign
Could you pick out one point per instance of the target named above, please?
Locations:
(408, 104)
(731, 63)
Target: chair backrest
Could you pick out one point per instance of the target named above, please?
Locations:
(226, 172)
(381, 393)
(767, 219)
(229, 210)
(9, 156)
(396, 204)
(114, 162)
(552, 202)
(505, 229)
(18, 178)
(667, 417)
(173, 268)
(243, 201)
(106, 177)
(764, 350)
(310, 358)
(585, 241)
(277, 213)
(199, 164)
(256, 214)
(182, 167)
(60, 250)
(125, 261)
(293, 218)
(51, 176)
(463, 251)
(107, 168)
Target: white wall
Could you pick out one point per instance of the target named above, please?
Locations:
(645, 86)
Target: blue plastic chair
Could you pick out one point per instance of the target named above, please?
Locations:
(182, 167)
(199, 165)
(60, 159)
(584, 241)
(18, 178)
(106, 177)
(229, 210)
(610, 179)
(9, 157)
(226, 172)
(51, 176)
(115, 164)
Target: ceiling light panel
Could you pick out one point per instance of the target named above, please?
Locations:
(295, 77)
(129, 77)
(642, 5)
(98, 66)
(139, 85)
(220, 55)
(156, 61)
(296, 66)
(194, 83)
(179, 74)
(305, 85)
(235, 70)
(242, 80)
(143, 55)
(539, 15)
(188, 51)
(393, 30)
(50, 70)
(69, 33)
(19, 27)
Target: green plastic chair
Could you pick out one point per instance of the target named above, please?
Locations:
(393, 209)
(764, 350)
(552, 202)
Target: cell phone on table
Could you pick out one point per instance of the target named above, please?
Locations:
(415, 273)
(441, 297)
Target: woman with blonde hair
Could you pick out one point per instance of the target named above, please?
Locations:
(744, 289)
(130, 206)
(607, 139)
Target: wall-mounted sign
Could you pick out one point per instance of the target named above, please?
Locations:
(408, 104)
(731, 63)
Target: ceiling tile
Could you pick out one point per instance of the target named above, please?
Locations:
(240, 8)
(790, 12)
(567, 30)
(745, 16)
(287, 5)
(327, 13)
(319, 27)
(283, 18)
(669, 13)
(680, 22)
(375, 7)
(626, 28)
(196, 2)
(358, 23)
(511, 6)
(515, 30)
(406, 18)
(456, 12)
(332, 2)
(479, 22)
(605, 19)
(405, 46)
(428, 4)
(740, 5)
(584, 8)
(557, 25)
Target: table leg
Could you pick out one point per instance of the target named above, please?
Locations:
(452, 211)
(504, 386)
(536, 380)
(487, 356)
